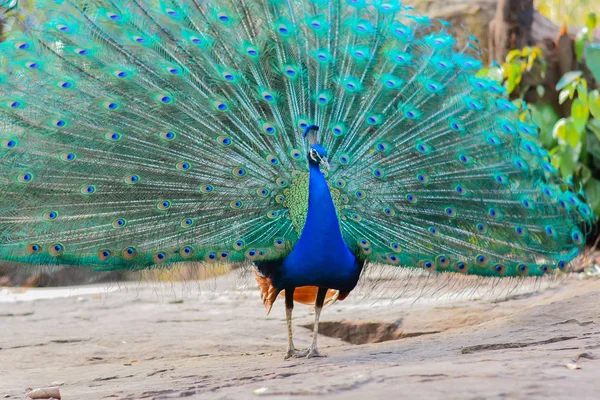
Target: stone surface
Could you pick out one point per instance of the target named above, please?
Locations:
(212, 340)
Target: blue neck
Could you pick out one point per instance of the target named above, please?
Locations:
(320, 257)
(321, 222)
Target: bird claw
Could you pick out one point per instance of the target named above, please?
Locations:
(315, 353)
(293, 353)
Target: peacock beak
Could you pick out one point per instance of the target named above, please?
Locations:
(324, 162)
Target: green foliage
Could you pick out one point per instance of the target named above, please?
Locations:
(572, 140)
(517, 63)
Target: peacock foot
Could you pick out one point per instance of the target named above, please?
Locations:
(315, 353)
(293, 353)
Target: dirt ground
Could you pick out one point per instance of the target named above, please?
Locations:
(212, 340)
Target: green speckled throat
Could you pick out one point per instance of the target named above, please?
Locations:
(297, 200)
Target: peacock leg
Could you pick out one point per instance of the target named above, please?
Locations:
(314, 352)
(289, 306)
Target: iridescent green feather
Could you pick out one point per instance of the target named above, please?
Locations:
(142, 132)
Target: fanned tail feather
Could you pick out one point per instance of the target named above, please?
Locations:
(138, 133)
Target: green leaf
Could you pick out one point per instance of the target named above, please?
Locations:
(568, 78)
(544, 116)
(579, 114)
(567, 158)
(592, 60)
(541, 90)
(594, 126)
(591, 21)
(512, 55)
(564, 95)
(581, 40)
(592, 191)
(594, 103)
(582, 90)
(566, 132)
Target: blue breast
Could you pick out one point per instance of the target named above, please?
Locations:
(320, 257)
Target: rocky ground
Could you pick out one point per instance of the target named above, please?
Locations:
(451, 339)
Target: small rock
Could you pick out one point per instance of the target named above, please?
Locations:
(57, 383)
(572, 366)
(44, 393)
(260, 391)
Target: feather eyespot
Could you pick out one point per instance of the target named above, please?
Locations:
(279, 243)
(186, 251)
(481, 228)
(104, 254)
(577, 236)
(119, 223)
(442, 261)
(186, 223)
(132, 179)
(236, 204)
(252, 254)
(272, 214)
(88, 189)
(296, 155)
(462, 267)
(183, 166)
(111, 105)
(481, 260)
(207, 189)
(252, 51)
(262, 192)
(224, 141)
(113, 137)
(411, 198)
(211, 257)
(25, 177)
(389, 212)
(428, 265)
(238, 245)
(56, 249)
(223, 17)
(240, 172)
(50, 215)
(160, 257)
(338, 130)
(344, 159)
(271, 159)
(167, 135)
(395, 247)
(129, 253)
(500, 269)
(33, 248)
(267, 96)
(164, 98)
(163, 205)
(522, 269)
(221, 106)
(10, 143)
(14, 104)
(281, 182)
(269, 129)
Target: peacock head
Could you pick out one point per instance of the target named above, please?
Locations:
(318, 155)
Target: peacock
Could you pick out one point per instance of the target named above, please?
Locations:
(309, 138)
